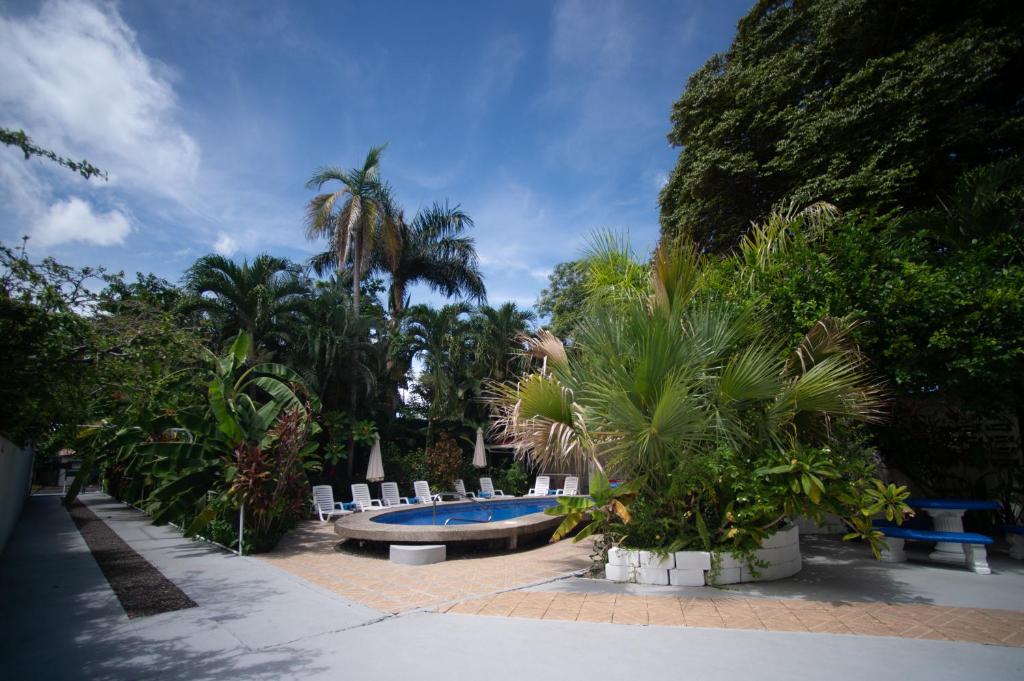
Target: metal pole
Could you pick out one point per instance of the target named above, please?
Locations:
(241, 527)
(433, 501)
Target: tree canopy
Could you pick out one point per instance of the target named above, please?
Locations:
(863, 104)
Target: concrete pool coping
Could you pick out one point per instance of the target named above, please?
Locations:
(361, 526)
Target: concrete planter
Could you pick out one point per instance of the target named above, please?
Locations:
(781, 553)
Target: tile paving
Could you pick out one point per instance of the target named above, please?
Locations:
(495, 586)
(309, 552)
(975, 625)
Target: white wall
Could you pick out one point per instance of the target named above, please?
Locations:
(15, 484)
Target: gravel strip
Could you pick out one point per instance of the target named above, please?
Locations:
(140, 587)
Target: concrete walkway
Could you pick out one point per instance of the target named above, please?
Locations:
(60, 620)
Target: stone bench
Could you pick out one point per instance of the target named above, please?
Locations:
(974, 545)
(417, 554)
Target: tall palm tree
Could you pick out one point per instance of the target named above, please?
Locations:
(499, 331)
(353, 218)
(435, 250)
(261, 298)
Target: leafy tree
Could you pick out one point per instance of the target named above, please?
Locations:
(45, 345)
(869, 105)
(563, 301)
(260, 298)
(18, 138)
(435, 250)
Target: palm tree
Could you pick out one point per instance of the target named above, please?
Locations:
(353, 218)
(440, 338)
(498, 339)
(433, 249)
(329, 335)
(261, 298)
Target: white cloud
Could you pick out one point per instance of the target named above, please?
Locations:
(76, 79)
(225, 244)
(75, 220)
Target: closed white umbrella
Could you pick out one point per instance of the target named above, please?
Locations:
(375, 471)
(480, 453)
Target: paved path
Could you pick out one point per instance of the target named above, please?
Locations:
(309, 552)
(935, 622)
(59, 620)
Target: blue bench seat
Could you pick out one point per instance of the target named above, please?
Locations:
(974, 544)
(933, 535)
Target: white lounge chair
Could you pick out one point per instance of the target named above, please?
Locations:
(571, 486)
(460, 489)
(540, 488)
(487, 489)
(324, 504)
(423, 494)
(361, 500)
(389, 490)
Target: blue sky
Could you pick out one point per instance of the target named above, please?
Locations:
(545, 121)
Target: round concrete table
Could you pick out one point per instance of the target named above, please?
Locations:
(948, 516)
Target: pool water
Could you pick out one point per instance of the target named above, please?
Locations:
(466, 514)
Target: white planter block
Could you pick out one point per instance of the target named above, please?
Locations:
(617, 556)
(657, 576)
(727, 562)
(730, 575)
(772, 572)
(785, 537)
(686, 577)
(649, 559)
(693, 560)
(782, 554)
(619, 573)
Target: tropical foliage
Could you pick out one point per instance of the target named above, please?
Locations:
(699, 399)
(247, 447)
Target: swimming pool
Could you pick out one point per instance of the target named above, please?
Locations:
(466, 514)
(511, 521)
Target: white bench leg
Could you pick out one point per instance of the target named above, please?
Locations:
(894, 553)
(977, 561)
(1016, 542)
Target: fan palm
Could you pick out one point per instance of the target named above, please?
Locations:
(660, 378)
(261, 298)
(432, 249)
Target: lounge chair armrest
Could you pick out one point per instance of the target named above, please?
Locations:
(499, 493)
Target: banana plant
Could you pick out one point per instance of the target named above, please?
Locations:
(243, 405)
(605, 506)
